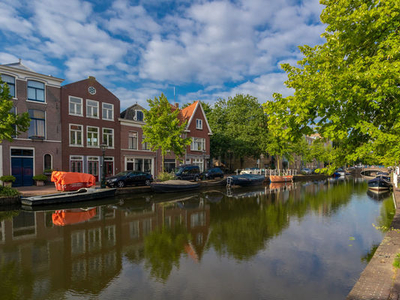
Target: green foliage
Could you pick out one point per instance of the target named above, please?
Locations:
(48, 171)
(10, 123)
(40, 177)
(6, 191)
(7, 178)
(164, 176)
(396, 262)
(348, 88)
(238, 125)
(163, 129)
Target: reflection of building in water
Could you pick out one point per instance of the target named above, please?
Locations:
(88, 255)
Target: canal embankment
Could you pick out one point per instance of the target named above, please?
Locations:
(380, 280)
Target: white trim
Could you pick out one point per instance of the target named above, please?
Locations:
(201, 124)
(98, 109)
(33, 157)
(82, 135)
(15, 85)
(131, 123)
(51, 160)
(98, 136)
(69, 103)
(44, 91)
(25, 74)
(113, 137)
(204, 115)
(24, 139)
(102, 108)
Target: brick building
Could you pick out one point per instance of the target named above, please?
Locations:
(90, 118)
(39, 148)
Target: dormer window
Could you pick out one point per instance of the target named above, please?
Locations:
(138, 116)
(199, 124)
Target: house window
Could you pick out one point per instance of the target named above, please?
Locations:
(92, 136)
(35, 91)
(47, 165)
(75, 135)
(75, 106)
(76, 164)
(145, 145)
(108, 111)
(108, 137)
(37, 126)
(92, 109)
(133, 140)
(199, 124)
(198, 144)
(10, 82)
(139, 115)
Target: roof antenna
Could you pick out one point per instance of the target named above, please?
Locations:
(174, 95)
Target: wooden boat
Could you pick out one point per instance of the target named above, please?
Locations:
(84, 194)
(379, 184)
(281, 178)
(245, 179)
(171, 186)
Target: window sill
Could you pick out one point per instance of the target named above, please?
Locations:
(36, 101)
(75, 115)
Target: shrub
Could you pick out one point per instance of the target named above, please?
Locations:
(164, 176)
(40, 177)
(48, 171)
(7, 178)
(8, 192)
(396, 262)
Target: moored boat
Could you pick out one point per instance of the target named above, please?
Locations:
(245, 179)
(72, 181)
(379, 184)
(84, 194)
(281, 178)
(171, 186)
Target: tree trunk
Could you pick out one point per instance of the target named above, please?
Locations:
(162, 163)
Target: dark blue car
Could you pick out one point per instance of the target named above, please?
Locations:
(212, 173)
(129, 178)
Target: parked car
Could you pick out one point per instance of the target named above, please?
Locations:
(188, 172)
(129, 178)
(306, 171)
(212, 173)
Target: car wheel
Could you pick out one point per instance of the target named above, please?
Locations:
(196, 178)
(147, 182)
(121, 184)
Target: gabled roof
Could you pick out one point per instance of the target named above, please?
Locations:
(130, 111)
(18, 65)
(188, 112)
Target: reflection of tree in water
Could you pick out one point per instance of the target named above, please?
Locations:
(367, 257)
(163, 249)
(11, 277)
(4, 215)
(387, 213)
(242, 227)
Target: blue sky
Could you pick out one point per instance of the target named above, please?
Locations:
(140, 49)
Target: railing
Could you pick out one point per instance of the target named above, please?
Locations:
(269, 172)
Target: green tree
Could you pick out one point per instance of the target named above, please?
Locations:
(238, 125)
(10, 123)
(347, 89)
(163, 129)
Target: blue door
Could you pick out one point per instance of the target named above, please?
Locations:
(22, 170)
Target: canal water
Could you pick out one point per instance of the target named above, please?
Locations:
(306, 240)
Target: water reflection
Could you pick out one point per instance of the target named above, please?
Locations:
(89, 251)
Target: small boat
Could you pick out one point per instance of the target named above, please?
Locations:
(279, 178)
(379, 183)
(171, 186)
(84, 194)
(245, 179)
(378, 195)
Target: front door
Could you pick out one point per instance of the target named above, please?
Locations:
(93, 168)
(22, 170)
(109, 168)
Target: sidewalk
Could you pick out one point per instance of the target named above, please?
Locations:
(380, 280)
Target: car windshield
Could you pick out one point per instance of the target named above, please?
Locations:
(123, 173)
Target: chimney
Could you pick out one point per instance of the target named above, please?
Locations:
(176, 105)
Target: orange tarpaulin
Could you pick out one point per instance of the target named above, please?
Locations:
(72, 216)
(70, 181)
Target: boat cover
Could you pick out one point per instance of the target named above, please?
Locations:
(66, 217)
(71, 181)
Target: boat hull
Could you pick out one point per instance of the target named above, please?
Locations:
(277, 178)
(173, 186)
(247, 179)
(379, 184)
(69, 197)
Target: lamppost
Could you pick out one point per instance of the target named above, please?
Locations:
(103, 148)
(204, 160)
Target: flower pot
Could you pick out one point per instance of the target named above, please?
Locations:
(7, 183)
(39, 182)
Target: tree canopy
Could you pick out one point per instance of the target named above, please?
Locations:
(163, 129)
(238, 125)
(348, 89)
(11, 124)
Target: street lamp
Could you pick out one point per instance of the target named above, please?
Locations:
(103, 148)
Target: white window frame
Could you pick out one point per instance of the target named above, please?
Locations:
(107, 109)
(137, 140)
(44, 91)
(199, 124)
(14, 84)
(91, 137)
(75, 106)
(112, 136)
(82, 135)
(77, 158)
(197, 140)
(91, 106)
